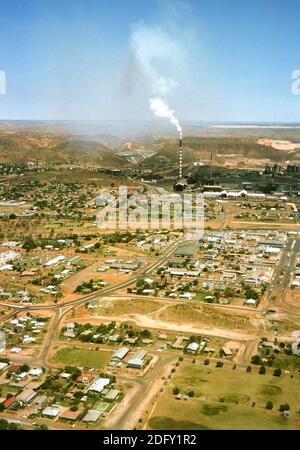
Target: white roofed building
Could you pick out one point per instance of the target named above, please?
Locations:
(120, 354)
(99, 384)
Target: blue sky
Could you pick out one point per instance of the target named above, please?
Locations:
(71, 59)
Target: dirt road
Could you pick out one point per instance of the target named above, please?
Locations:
(147, 322)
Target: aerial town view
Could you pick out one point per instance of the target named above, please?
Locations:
(149, 215)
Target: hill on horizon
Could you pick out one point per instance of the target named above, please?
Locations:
(59, 149)
(223, 150)
(55, 149)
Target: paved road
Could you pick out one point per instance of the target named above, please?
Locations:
(287, 264)
(282, 279)
(95, 295)
(149, 388)
(61, 310)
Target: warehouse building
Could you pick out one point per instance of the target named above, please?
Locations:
(120, 354)
(138, 360)
(25, 397)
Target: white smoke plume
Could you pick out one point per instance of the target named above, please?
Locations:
(153, 48)
(161, 109)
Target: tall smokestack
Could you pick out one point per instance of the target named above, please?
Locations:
(180, 158)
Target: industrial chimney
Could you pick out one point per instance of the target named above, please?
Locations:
(180, 158)
(181, 183)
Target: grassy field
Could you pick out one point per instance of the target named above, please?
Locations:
(6, 389)
(200, 296)
(287, 362)
(82, 357)
(227, 399)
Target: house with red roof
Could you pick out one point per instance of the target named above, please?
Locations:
(13, 369)
(84, 378)
(9, 402)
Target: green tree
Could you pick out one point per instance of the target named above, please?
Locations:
(255, 359)
(262, 370)
(277, 372)
(146, 334)
(29, 243)
(5, 425)
(42, 427)
(284, 407)
(74, 371)
(269, 405)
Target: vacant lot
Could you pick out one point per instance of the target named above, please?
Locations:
(115, 307)
(227, 399)
(205, 315)
(81, 357)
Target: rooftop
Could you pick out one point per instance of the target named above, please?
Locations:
(92, 415)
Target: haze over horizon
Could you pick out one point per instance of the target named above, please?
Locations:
(223, 61)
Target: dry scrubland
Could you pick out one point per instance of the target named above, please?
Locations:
(127, 306)
(201, 314)
(180, 313)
